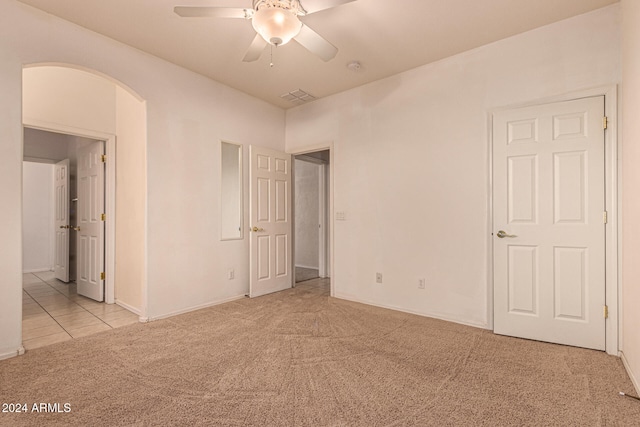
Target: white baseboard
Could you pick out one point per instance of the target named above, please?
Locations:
(306, 266)
(634, 379)
(128, 307)
(392, 307)
(13, 353)
(190, 309)
(37, 270)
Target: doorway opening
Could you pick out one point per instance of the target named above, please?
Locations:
(63, 259)
(311, 216)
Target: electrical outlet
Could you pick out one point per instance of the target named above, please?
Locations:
(378, 277)
(422, 283)
(231, 274)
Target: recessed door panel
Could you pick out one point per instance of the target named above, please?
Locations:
(94, 206)
(569, 179)
(83, 262)
(282, 255)
(263, 163)
(264, 200)
(94, 274)
(282, 166)
(523, 189)
(282, 199)
(264, 261)
(570, 126)
(522, 131)
(523, 280)
(83, 207)
(570, 283)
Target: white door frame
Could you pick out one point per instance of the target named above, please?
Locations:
(322, 209)
(612, 205)
(110, 193)
(330, 220)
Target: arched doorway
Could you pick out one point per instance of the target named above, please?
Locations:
(82, 103)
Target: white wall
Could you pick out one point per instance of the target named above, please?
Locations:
(630, 189)
(37, 217)
(10, 172)
(59, 95)
(411, 166)
(46, 147)
(187, 116)
(307, 212)
(131, 201)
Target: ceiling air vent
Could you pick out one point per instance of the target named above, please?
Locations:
(298, 96)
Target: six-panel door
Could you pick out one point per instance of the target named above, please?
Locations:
(270, 221)
(549, 195)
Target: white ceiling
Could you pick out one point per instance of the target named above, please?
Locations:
(385, 36)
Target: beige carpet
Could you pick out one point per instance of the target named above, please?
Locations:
(299, 358)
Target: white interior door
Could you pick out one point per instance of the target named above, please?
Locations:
(548, 225)
(61, 215)
(270, 221)
(90, 228)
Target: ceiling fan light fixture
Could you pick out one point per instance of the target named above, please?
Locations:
(276, 25)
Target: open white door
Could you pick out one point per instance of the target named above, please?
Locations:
(549, 222)
(90, 228)
(61, 196)
(270, 221)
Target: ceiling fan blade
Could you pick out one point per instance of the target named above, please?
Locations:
(316, 44)
(255, 49)
(210, 12)
(312, 6)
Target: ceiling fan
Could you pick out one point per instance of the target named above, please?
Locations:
(276, 22)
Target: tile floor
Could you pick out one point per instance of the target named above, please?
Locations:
(53, 312)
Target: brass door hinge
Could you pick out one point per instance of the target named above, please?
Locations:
(103, 158)
(605, 217)
(605, 122)
(103, 217)
(102, 276)
(606, 311)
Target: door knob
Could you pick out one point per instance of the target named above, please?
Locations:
(76, 228)
(502, 234)
(65, 226)
(256, 229)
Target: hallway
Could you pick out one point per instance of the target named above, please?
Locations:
(53, 312)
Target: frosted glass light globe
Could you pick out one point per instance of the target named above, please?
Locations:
(277, 26)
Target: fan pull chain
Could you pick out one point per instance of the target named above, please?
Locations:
(271, 63)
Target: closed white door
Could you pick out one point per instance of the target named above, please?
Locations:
(548, 224)
(270, 221)
(61, 215)
(90, 227)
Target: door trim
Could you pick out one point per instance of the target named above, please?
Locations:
(110, 193)
(322, 210)
(330, 220)
(612, 205)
